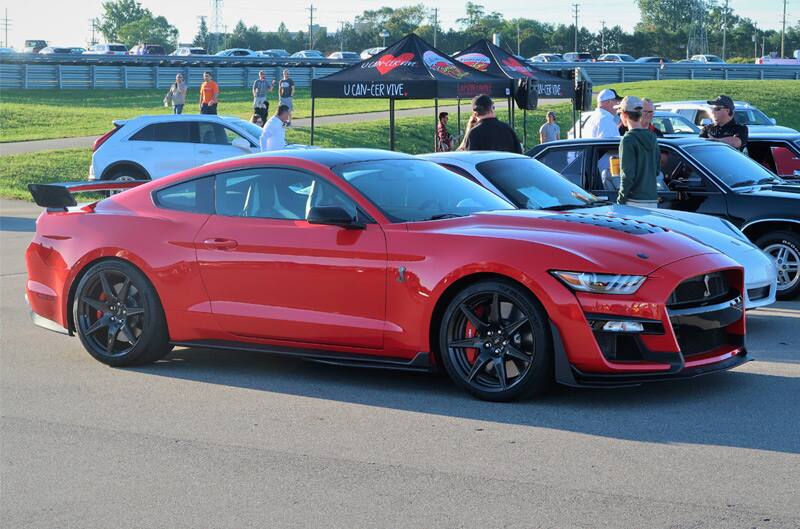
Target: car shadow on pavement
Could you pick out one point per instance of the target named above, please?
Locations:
(736, 408)
(17, 224)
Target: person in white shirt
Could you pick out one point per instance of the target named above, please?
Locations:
(602, 123)
(273, 135)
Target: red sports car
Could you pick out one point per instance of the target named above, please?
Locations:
(366, 257)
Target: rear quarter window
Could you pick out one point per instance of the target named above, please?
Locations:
(194, 196)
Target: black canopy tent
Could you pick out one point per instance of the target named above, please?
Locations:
(408, 69)
(486, 57)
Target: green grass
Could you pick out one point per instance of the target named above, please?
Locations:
(47, 114)
(19, 170)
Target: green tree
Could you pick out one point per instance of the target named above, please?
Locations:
(149, 30)
(201, 39)
(672, 15)
(118, 13)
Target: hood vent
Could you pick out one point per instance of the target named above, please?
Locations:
(625, 225)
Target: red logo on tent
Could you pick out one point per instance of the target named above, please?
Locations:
(515, 65)
(387, 63)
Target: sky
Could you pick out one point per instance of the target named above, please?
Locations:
(67, 22)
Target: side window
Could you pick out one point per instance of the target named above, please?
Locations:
(274, 193)
(231, 135)
(173, 132)
(568, 162)
(194, 196)
(677, 169)
(211, 134)
(459, 171)
(603, 179)
(145, 134)
(701, 115)
(787, 163)
(688, 113)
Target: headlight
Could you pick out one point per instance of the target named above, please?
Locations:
(600, 283)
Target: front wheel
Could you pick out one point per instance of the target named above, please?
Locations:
(784, 248)
(494, 342)
(118, 316)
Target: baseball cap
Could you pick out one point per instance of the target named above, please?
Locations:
(630, 104)
(722, 101)
(482, 104)
(607, 94)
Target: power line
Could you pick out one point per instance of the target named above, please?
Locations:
(576, 6)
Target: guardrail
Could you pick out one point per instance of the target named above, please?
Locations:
(31, 71)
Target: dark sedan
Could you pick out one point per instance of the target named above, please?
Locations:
(703, 177)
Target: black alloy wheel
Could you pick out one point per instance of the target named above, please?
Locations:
(494, 342)
(118, 316)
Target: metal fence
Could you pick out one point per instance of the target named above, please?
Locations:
(158, 73)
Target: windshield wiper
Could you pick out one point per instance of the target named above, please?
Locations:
(744, 183)
(769, 180)
(444, 216)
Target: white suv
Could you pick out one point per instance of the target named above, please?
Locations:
(149, 147)
(107, 49)
(699, 113)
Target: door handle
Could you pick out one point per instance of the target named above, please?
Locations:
(146, 149)
(204, 152)
(220, 244)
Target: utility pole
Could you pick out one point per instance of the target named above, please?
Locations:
(576, 6)
(783, 28)
(216, 22)
(6, 23)
(93, 26)
(755, 45)
(517, 36)
(435, 24)
(724, 28)
(341, 34)
(603, 37)
(311, 27)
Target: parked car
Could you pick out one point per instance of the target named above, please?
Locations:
(7, 51)
(107, 49)
(578, 57)
(344, 55)
(150, 147)
(529, 184)
(307, 54)
(34, 46)
(689, 61)
(147, 49)
(77, 50)
(185, 51)
(777, 152)
(55, 50)
(699, 112)
(703, 177)
(274, 53)
(773, 58)
(653, 59)
(615, 57)
(369, 52)
(236, 52)
(547, 57)
(707, 59)
(376, 258)
(672, 124)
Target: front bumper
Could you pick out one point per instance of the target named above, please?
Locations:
(760, 278)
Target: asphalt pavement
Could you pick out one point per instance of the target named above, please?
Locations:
(208, 439)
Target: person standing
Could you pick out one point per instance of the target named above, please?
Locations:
(602, 122)
(550, 131)
(639, 158)
(286, 94)
(647, 119)
(260, 89)
(209, 95)
(725, 128)
(489, 133)
(176, 95)
(444, 140)
(273, 135)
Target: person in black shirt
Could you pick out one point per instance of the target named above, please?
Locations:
(725, 128)
(488, 133)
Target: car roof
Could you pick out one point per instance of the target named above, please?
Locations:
(332, 157)
(769, 135)
(471, 157)
(683, 142)
(743, 104)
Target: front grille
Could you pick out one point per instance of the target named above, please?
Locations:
(693, 340)
(700, 290)
(757, 293)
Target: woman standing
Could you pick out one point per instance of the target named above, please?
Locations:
(176, 95)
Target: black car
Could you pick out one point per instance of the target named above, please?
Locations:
(703, 177)
(777, 151)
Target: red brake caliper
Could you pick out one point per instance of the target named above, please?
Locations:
(469, 332)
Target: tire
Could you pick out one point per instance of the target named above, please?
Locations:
(126, 174)
(515, 331)
(784, 248)
(99, 308)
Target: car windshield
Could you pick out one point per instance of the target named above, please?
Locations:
(532, 185)
(251, 128)
(751, 116)
(418, 190)
(735, 169)
(675, 125)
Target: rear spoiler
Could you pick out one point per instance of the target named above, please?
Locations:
(58, 196)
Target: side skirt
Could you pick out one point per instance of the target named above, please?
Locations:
(420, 362)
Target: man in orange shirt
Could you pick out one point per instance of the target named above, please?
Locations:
(209, 92)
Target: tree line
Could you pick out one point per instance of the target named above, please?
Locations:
(663, 31)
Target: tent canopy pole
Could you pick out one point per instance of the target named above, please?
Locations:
(312, 120)
(436, 122)
(391, 123)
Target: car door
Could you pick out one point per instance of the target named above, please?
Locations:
(272, 275)
(216, 142)
(687, 188)
(164, 148)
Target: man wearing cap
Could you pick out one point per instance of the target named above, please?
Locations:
(602, 123)
(725, 129)
(638, 158)
(489, 133)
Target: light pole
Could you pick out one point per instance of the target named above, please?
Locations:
(384, 34)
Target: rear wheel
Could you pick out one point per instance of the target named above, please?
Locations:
(118, 316)
(784, 248)
(126, 174)
(494, 342)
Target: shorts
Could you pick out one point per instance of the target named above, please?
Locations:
(287, 101)
(208, 109)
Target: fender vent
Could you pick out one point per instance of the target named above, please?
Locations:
(634, 227)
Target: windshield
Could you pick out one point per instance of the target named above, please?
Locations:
(751, 116)
(675, 125)
(251, 128)
(417, 190)
(735, 169)
(532, 185)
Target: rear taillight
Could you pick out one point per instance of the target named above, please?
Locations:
(99, 141)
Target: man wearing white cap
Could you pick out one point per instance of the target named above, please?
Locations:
(602, 122)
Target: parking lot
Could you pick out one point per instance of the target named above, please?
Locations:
(234, 439)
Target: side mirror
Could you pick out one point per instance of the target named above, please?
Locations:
(241, 143)
(796, 173)
(334, 216)
(705, 122)
(773, 121)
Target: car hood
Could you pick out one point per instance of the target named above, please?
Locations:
(591, 242)
(772, 129)
(784, 199)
